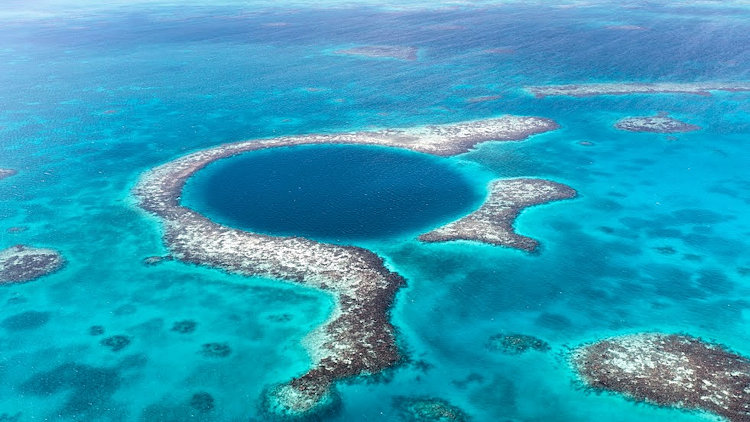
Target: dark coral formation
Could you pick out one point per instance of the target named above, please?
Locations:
(202, 402)
(382, 51)
(19, 264)
(590, 90)
(428, 409)
(660, 123)
(184, 327)
(116, 343)
(358, 339)
(216, 350)
(515, 344)
(6, 173)
(669, 370)
(96, 330)
(492, 223)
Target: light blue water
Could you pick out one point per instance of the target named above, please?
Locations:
(90, 102)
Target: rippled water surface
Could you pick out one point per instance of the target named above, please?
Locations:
(657, 239)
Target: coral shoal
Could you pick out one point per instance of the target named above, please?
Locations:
(6, 173)
(382, 51)
(589, 90)
(492, 223)
(660, 123)
(19, 264)
(669, 370)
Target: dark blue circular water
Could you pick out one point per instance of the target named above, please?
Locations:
(332, 192)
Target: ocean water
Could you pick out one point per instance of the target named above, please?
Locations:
(656, 240)
(334, 193)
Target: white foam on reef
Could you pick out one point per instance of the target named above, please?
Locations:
(358, 338)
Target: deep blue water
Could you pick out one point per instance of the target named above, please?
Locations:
(656, 240)
(335, 193)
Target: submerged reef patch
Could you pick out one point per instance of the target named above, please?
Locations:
(216, 350)
(382, 51)
(669, 370)
(428, 409)
(358, 338)
(202, 402)
(28, 320)
(660, 123)
(492, 223)
(90, 388)
(184, 327)
(515, 344)
(19, 264)
(6, 173)
(590, 90)
(116, 343)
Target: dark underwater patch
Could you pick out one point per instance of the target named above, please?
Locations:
(90, 387)
(28, 320)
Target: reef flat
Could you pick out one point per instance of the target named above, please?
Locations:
(358, 338)
(669, 370)
(19, 264)
(492, 223)
(590, 90)
(6, 173)
(660, 123)
(382, 51)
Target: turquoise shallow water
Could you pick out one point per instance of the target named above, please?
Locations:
(656, 240)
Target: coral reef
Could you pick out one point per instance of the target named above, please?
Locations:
(493, 222)
(154, 260)
(669, 370)
(116, 343)
(184, 327)
(382, 51)
(589, 90)
(96, 330)
(427, 409)
(202, 402)
(515, 344)
(660, 123)
(358, 338)
(216, 350)
(20, 263)
(6, 173)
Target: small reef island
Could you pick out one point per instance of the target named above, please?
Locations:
(19, 264)
(382, 51)
(660, 123)
(669, 370)
(590, 90)
(358, 338)
(492, 223)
